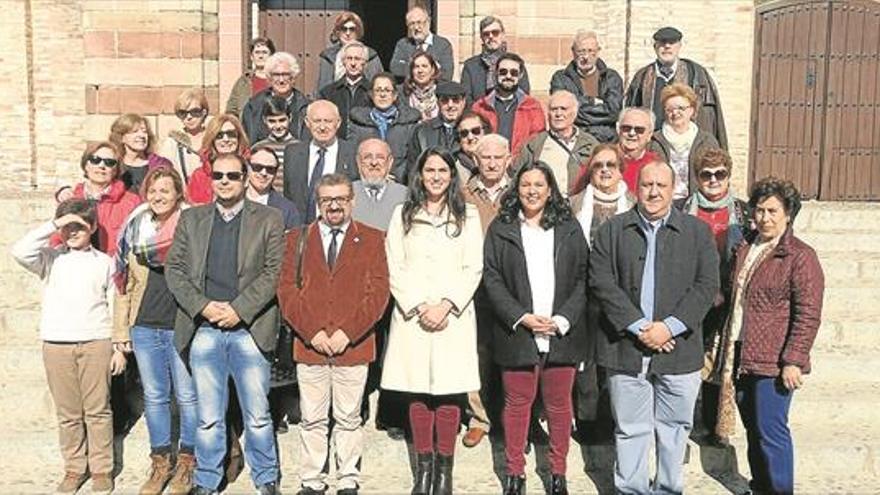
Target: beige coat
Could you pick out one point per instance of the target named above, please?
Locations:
(426, 265)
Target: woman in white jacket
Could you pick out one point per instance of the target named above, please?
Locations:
(434, 248)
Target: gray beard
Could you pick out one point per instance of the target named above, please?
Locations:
(374, 182)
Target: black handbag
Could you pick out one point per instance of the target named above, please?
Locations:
(283, 366)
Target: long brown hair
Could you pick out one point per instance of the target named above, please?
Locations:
(213, 128)
(127, 123)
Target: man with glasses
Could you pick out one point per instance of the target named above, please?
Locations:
(439, 131)
(478, 72)
(376, 195)
(419, 37)
(598, 88)
(509, 109)
(351, 90)
(282, 69)
(223, 269)
(306, 162)
(278, 121)
(339, 267)
(634, 130)
(646, 85)
(262, 175)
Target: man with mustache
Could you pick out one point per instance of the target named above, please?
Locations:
(646, 85)
(375, 193)
(478, 72)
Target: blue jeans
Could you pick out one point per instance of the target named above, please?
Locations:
(161, 368)
(763, 404)
(216, 355)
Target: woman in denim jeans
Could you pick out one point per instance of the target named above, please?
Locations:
(144, 319)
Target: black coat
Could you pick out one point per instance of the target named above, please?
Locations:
(399, 133)
(344, 99)
(596, 118)
(685, 283)
(252, 115)
(506, 280)
(426, 135)
(473, 78)
(440, 49)
(296, 172)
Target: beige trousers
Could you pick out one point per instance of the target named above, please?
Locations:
(319, 387)
(79, 380)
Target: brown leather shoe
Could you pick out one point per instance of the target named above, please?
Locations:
(102, 483)
(181, 482)
(160, 473)
(473, 437)
(71, 483)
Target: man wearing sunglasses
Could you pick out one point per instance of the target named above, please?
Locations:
(223, 270)
(261, 178)
(439, 131)
(633, 135)
(509, 109)
(478, 72)
(283, 70)
(646, 85)
(419, 37)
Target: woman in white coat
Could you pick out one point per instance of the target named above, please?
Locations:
(434, 249)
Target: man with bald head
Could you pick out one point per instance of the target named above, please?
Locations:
(654, 271)
(306, 162)
(375, 193)
(563, 146)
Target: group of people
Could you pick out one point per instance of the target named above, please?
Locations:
(476, 265)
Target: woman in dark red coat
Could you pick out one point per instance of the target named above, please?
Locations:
(775, 315)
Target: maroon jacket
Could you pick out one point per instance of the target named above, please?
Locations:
(782, 308)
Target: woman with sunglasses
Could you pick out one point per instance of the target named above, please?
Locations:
(131, 133)
(182, 146)
(347, 27)
(224, 134)
(470, 128)
(599, 192)
(420, 87)
(679, 142)
(729, 219)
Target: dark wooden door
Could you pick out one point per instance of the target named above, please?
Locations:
(816, 105)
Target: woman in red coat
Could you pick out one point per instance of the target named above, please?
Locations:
(224, 134)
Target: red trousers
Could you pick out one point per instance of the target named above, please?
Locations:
(520, 391)
(430, 414)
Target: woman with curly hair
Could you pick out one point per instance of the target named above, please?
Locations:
(535, 260)
(433, 249)
(224, 134)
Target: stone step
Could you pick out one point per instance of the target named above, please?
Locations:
(816, 216)
(842, 240)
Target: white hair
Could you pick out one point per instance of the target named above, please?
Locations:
(645, 111)
(356, 44)
(278, 58)
(562, 93)
(492, 139)
(584, 34)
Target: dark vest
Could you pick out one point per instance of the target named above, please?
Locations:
(221, 272)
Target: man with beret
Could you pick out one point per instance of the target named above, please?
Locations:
(646, 85)
(439, 131)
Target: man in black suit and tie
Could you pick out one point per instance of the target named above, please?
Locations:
(306, 162)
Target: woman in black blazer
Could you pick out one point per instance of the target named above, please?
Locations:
(535, 273)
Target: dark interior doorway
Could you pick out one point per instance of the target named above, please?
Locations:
(384, 24)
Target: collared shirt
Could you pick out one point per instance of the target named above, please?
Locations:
(329, 158)
(327, 237)
(493, 192)
(570, 142)
(659, 74)
(429, 41)
(229, 214)
(375, 191)
(262, 198)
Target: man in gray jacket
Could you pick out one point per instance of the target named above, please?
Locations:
(223, 271)
(654, 271)
(419, 37)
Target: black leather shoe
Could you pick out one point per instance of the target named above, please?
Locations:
(306, 490)
(424, 474)
(515, 485)
(557, 485)
(347, 491)
(269, 489)
(443, 475)
(200, 490)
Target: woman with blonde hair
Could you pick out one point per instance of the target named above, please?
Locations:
(182, 146)
(224, 134)
(134, 137)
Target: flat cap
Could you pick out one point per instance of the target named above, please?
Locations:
(450, 88)
(668, 34)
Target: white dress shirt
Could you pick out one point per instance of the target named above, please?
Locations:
(538, 245)
(329, 158)
(327, 237)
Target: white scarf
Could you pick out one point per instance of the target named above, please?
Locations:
(585, 216)
(681, 143)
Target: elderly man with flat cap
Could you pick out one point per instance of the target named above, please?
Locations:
(439, 131)
(646, 85)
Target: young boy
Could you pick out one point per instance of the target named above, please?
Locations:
(75, 327)
(277, 120)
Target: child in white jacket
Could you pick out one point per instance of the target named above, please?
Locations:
(75, 326)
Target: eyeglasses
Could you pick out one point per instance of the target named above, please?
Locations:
(605, 165)
(269, 169)
(420, 22)
(348, 29)
(464, 133)
(193, 112)
(233, 176)
(226, 134)
(108, 162)
(491, 32)
(638, 129)
(719, 175)
(680, 108)
(329, 200)
(512, 72)
(281, 75)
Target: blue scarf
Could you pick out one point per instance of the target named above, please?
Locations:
(383, 119)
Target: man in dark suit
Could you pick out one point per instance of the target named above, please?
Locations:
(223, 269)
(333, 290)
(439, 131)
(306, 162)
(420, 38)
(654, 271)
(262, 169)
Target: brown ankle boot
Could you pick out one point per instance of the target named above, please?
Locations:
(160, 473)
(181, 482)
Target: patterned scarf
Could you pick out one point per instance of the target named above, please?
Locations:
(491, 60)
(146, 240)
(585, 216)
(383, 119)
(424, 100)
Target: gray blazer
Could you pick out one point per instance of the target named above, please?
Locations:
(685, 284)
(260, 251)
(440, 49)
(296, 171)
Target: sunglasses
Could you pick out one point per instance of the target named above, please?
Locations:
(108, 162)
(604, 165)
(512, 72)
(626, 129)
(233, 176)
(348, 29)
(226, 134)
(491, 32)
(269, 169)
(719, 175)
(193, 112)
(464, 133)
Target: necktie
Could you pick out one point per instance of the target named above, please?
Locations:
(333, 249)
(373, 192)
(317, 172)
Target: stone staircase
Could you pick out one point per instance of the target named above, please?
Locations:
(833, 419)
